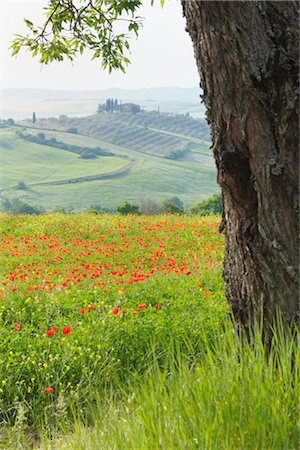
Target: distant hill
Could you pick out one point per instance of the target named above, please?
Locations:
(20, 103)
(165, 135)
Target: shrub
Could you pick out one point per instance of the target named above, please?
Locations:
(127, 208)
(87, 154)
(17, 206)
(212, 205)
(21, 186)
(72, 130)
(177, 154)
(172, 206)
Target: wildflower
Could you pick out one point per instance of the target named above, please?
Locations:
(115, 311)
(16, 326)
(134, 313)
(66, 330)
(90, 307)
(51, 332)
(82, 311)
(206, 293)
(157, 306)
(48, 390)
(142, 306)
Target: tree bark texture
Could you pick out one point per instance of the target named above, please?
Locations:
(247, 57)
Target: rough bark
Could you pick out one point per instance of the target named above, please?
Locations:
(247, 57)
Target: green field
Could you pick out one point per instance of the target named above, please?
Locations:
(149, 176)
(116, 335)
(33, 163)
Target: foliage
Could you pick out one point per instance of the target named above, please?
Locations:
(127, 208)
(9, 122)
(85, 153)
(212, 205)
(21, 186)
(17, 206)
(177, 154)
(98, 209)
(113, 105)
(72, 130)
(70, 28)
(173, 206)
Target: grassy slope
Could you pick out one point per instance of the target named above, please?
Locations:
(191, 179)
(152, 133)
(33, 163)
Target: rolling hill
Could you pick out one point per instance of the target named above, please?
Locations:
(139, 168)
(147, 132)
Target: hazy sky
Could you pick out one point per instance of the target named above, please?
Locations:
(162, 55)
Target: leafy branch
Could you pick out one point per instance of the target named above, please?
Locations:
(70, 29)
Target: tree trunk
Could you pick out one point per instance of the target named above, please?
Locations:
(246, 53)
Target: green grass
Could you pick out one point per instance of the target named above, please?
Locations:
(34, 163)
(151, 177)
(234, 396)
(152, 360)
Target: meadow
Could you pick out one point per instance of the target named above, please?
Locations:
(115, 335)
(150, 176)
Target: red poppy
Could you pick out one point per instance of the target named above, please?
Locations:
(66, 330)
(90, 307)
(143, 306)
(134, 313)
(157, 306)
(82, 311)
(51, 332)
(115, 311)
(16, 326)
(49, 390)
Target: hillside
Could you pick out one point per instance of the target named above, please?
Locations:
(134, 171)
(165, 135)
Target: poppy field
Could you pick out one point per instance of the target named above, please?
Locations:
(115, 334)
(85, 299)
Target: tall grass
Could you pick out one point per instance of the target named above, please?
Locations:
(233, 396)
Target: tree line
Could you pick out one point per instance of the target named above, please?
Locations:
(113, 105)
(210, 206)
(83, 152)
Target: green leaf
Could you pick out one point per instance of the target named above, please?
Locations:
(28, 23)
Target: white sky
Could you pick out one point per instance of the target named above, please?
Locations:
(162, 55)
